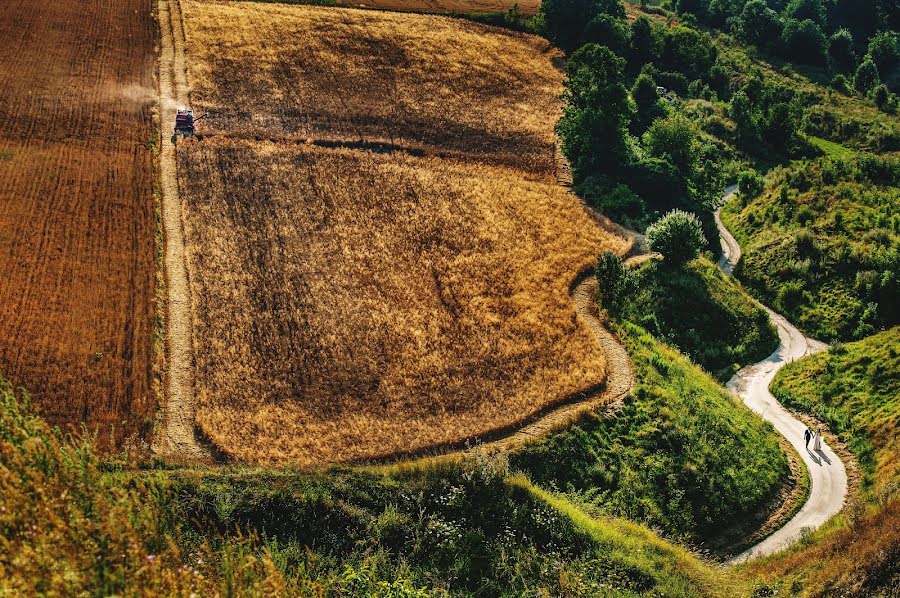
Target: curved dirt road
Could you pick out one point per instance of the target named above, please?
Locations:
(177, 439)
(828, 477)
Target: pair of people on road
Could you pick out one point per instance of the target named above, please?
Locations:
(816, 437)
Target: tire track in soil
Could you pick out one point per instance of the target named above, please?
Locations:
(178, 438)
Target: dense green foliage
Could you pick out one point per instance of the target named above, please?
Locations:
(681, 454)
(822, 244)
(804, 30)
(614, 282)
(705, 315)
(677, 236)
(855, 390)
(597, 110)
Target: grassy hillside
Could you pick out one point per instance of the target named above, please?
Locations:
(821, 244)
(682, 454)
(855, 389)
(706, 315)
(72, 524)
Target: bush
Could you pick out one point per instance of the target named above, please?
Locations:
(841, 84)
(866, 77)
(882, 97)
(678, 236)
(750, 184)
(613, 281)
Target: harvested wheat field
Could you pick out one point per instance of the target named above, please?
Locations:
(351, 304)
(436, 84)
(526, 7)
(76, 224)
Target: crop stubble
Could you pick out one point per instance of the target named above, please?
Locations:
(351, 304)
(76, 210)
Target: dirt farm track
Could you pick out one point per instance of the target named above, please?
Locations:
(76, 209)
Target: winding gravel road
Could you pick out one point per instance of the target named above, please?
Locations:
(828, 476)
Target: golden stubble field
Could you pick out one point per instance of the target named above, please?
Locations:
(349, 304)
(429, 82)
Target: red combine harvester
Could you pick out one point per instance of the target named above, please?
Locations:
(184, 124)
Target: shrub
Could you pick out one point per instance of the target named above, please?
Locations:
(678, 236)
(613, 281)
(841, 84)
(841, 50)
(866, 77)
(750, 184)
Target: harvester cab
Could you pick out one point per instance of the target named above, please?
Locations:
(184, 124)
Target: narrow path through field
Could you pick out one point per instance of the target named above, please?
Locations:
(178, 439)
(828, 476)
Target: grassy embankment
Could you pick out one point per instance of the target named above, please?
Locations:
(855, 390)
(706, 315)
(71, 524)
(822, 244)
(682, 454)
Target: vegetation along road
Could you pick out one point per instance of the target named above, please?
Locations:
(828, 477)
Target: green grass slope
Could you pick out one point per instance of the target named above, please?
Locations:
(703, 313)
(855, 389)
(821, 245)
(71, 524)
(682, 454)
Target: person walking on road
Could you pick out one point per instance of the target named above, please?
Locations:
(817, 441)
(806, 436)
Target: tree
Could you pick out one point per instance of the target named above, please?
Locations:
(840, 49)
(803, 41)
(687, 51)
(614, 281)
(866, 77)
(841, 84)
(746, 116)
(758, 24)
(673, 138)
(781, 125)
(678, 236)
(802, 10)
(608, 31)
(564, 21)
(884, 49)
(646, 101)
(597, 111)
(881, 96)
(644, 46)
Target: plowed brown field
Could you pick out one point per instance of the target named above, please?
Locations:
(76, 209)
(349, 304)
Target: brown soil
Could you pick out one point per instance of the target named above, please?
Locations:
(77, 218)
